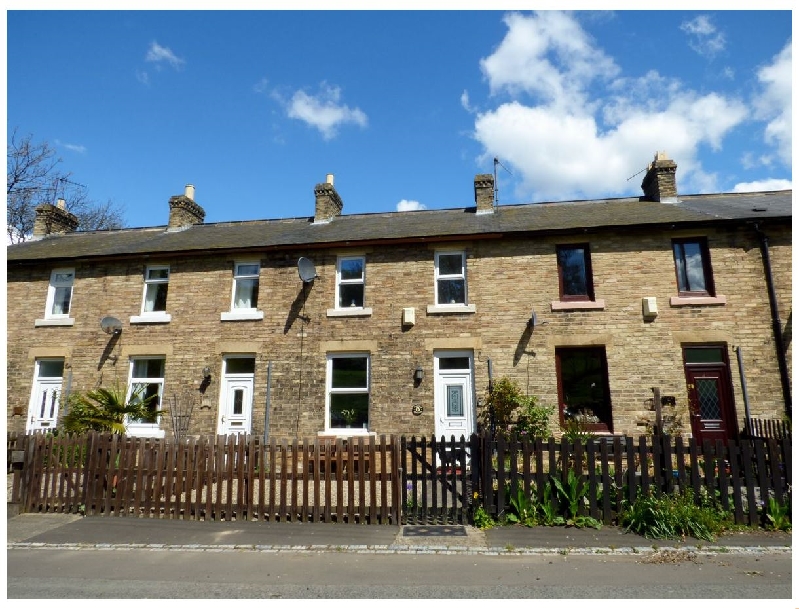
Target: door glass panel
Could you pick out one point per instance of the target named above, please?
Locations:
(238, 401)
(240, 365)
(712, 355)
(453, 363)
(51, 368)
(454, 400)
(708, 395)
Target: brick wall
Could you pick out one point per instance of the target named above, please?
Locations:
(507, 280)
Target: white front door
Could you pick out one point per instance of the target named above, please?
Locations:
(235, 409)
(46, 395)
(454, 394)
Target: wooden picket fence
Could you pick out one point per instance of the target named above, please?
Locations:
(233, 477)
(382, 480)
(739, 475)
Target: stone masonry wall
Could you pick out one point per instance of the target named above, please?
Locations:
(507, 280)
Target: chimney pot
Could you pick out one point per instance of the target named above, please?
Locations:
(660, 182)
(328, 201)
(183, 211)
(53, 219)
(484, 193)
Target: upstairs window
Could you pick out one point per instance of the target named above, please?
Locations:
(692, 264)
(350, 277)
(574, 272)
(245, 286)
(156, 284)
(450, 278)
(59, 294)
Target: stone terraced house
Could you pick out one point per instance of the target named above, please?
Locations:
(396, 323)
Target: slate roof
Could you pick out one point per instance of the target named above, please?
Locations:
(425, 225)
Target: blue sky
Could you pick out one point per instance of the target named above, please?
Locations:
(404, 108)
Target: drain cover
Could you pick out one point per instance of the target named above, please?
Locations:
(433, 530)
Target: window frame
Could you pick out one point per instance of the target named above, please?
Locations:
(52, 290)
(137, 428)
(438, 277)
(244, 313)
(589, 295)
(707, 269)
(154, 283)
(330, 391)
(603, 426)
(340, 281)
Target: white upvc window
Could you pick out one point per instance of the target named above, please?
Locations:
(450, 278)
(59, 299)
(244, 301)
(350, 279)
(156, 286)
(146, 380)
(347, 393)
(451, 294)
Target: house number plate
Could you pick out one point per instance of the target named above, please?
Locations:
(417, 409)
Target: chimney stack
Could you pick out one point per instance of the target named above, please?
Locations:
(328, 202)
(53, 220)
(484, 193)
(660, 182)
(183, 211)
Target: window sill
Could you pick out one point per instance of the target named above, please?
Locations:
(65, 321)
(687, 301)
(350, 312)
(573, 305)
(145, 432)
(449, 309)
(345, 432)
(242, 315)
(151, 318)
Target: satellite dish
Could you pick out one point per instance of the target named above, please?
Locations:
(306, 269)
(111, 325)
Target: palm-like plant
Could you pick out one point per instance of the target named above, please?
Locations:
(107, 410)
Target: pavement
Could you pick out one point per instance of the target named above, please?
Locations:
(69, 531)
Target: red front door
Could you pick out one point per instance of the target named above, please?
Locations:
(710, 393)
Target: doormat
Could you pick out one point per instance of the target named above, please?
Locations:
(434, 530)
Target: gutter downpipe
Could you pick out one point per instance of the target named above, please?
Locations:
(743, 384)
(268, 400)
(776, 322)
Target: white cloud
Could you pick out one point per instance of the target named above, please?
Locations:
(763, 185)
(594, 129)
(260, 86)
(158, 54)
(704, 39)
(465, 101)
(72, 147)
(406, 205)
(143, 77)
(547, 56)
(324, 110)
(773, 103)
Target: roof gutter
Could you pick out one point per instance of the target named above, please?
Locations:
(776, 322)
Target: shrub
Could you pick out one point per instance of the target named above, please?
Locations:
(105, 410)
(674, 516)
(513, 413)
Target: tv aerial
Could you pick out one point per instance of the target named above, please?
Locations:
(111, 325)
(306, 269)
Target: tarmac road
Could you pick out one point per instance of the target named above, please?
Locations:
(63, 556)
